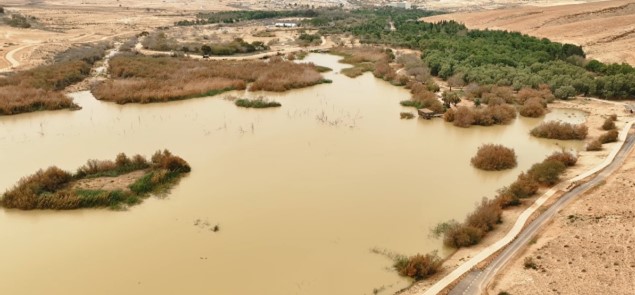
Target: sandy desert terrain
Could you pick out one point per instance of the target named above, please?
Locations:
(588, 248)
(606, 30)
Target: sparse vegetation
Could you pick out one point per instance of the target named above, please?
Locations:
(494, 157)
(406, 115)
(18, 21)
(560, 130)
(144, 79)
(529, 263)
(258, 103)
(53, 188)
(40, 88)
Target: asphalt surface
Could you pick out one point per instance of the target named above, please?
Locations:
(476, 280)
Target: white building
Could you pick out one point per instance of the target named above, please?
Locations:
(404, 4)
(286, 25)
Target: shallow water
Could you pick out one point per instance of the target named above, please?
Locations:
(301, 193)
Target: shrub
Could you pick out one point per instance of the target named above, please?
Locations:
(460, 236)
(610, 136)
(525, 186)
(609, 124)
(547, 172)
(532, 108)
(406, 115)
(485, 216)
(613, 117)
(419, 266)
(259, 103)
(529, 263)
(560, 130)
(490, 115)
(595, 145)
(566, 158)
(494, 157)
(165, 160)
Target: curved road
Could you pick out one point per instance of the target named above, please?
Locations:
(475, 281)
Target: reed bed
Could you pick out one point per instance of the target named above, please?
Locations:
(146, 79)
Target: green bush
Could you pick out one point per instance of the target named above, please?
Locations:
(258, 103)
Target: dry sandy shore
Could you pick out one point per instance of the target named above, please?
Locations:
(589, 248)
(606, 29)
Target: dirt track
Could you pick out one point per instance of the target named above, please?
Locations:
(606, 30)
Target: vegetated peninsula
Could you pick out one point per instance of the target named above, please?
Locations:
(145, 79)
(114, 184)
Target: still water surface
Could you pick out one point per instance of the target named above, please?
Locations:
(301, 193)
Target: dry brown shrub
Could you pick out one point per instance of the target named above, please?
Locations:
(594, 145)
(525, 186)
(493, 157)
(566, 158)
(609, 124)
(419, 266)
(449, 115)
(560, 130)
(486, 216)
(166, 160)
(610, 136)
(463, 117)
(533, 108)
(459, 236)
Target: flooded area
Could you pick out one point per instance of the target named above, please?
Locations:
(301, 193)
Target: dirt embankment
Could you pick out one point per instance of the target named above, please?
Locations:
(589, 248)
(606, 29)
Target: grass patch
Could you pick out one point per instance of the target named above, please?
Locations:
(53, 188)
(145, 79)
(258, 103)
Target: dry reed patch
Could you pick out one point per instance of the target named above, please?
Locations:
(144, 79)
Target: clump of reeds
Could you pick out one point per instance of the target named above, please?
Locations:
(53, 188)
(258, 103)
(144, 79)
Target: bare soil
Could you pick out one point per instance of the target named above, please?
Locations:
(606, 30)
(589, 248)
(121, 182)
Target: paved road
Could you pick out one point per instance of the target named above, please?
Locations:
(476, 280)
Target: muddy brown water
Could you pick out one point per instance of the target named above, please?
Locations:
(301, 193)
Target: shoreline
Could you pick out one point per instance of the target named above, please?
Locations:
(589, 163)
